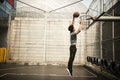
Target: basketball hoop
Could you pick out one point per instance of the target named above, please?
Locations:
(86, 21)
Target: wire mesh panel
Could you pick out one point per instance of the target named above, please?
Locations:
(107, 4)
(107, 48)
(40, 34)
(29, 12)
(103, 35)
(107, 31)
(117, 23)
(107, 36)
(110, 32)
(117, 29)
(117, 51)
(107, 28)
(117, 34)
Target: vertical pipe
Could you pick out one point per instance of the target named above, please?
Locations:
(8, 36)
(45, 36)
(113, 37)
(101, 23)
(85, 49)
(101, 55)
(19, 40)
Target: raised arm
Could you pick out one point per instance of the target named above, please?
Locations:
(73, 20)
(80, 27)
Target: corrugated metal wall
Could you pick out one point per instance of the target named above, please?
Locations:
(117, 34)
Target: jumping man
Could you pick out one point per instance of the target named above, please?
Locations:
(73, 40)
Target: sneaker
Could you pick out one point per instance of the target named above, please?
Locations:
(70, 73)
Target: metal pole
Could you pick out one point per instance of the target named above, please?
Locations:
(8, 35)
(19, 50)
(101, 23)
(108, 18)
(101, 52)
(113, 37)
(45, 36)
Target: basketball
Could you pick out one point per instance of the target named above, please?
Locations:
(76, 14)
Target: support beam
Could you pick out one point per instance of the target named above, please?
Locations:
(103, 18)
(94, 20)
(109, 18)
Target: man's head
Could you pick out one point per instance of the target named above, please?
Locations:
(71, 28)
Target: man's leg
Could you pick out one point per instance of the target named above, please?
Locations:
(71, 58)
(73, 55)
(70, 61)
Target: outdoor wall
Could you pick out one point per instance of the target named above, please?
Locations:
(43, 41)
(93, 41)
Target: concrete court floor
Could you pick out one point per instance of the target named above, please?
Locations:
(48, 72)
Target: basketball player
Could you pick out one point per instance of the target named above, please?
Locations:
(73, 40)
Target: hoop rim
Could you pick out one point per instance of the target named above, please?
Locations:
(86, 16)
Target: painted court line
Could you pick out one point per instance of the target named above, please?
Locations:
(54, 75)
(25, 74)
(12, 68)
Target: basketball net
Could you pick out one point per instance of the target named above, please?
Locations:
(85, 22)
